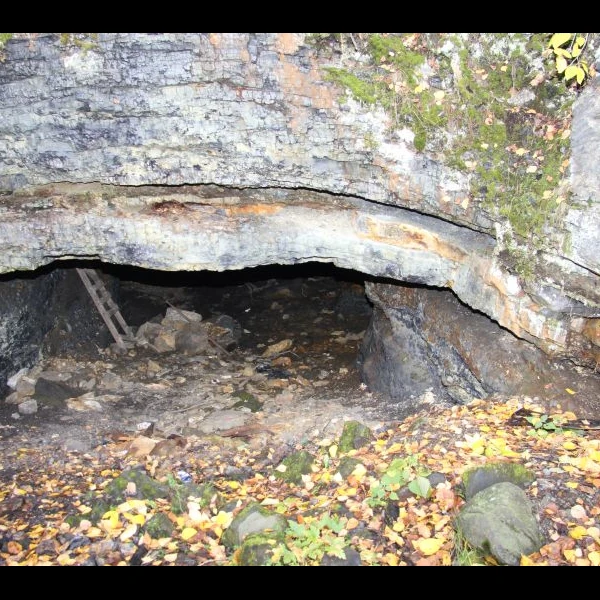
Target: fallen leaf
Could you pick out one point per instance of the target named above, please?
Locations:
(578, 512)
(428, 546)
(129, 532)
(188, 533)
(578, 532)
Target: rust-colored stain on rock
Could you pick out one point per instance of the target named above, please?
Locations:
(287, 43)
(258, 210)
(409, 236)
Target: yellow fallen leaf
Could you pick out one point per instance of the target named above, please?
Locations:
(390, 559)
(570, 555)
(428, 546)
(393, 537)
(570, 391)
(572, 484)
(223, 518)
(333, 451)
(526, 561)
(129, 532)
(594, 558)
(281, 468)
(578, 532)
(399, 526)
(110, 521)
(94, 532)
(594, 532)
(395, 448)
(359, 471)
(136, 519)
(569, 446)
(188, 533)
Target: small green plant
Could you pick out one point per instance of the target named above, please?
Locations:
(464, 554)
(4, 37)
(543, 425)
(402, 471)
(83, 41)
(567, 50)
(307, 543)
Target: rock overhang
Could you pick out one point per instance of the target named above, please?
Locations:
(195, 228)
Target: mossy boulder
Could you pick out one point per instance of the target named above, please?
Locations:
(296, 465)
(254, 519)
(203, 494)
(146, 487)
(355, 435)
(479, 478)
(159, 526)
(499, 521)
(256, 550)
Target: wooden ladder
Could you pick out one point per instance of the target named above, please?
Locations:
(107, 307)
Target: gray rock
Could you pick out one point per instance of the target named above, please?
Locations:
(254, 519)
(221, 420)
(28, 407)
(499, 520)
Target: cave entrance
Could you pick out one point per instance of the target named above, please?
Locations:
(266, 351)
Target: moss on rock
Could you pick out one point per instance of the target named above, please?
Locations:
(203, 494)
(146, 487)
(296, 465)
(256, 550)
(479, 478)
(354, 435)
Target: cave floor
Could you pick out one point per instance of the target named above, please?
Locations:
(307, 386)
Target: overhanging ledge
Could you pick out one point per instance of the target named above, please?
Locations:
(214, 228)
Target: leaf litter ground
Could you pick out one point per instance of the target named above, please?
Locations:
(41, 488)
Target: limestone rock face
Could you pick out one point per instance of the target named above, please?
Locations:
(228, 150)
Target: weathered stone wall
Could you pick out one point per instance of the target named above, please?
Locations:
(424, 341)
